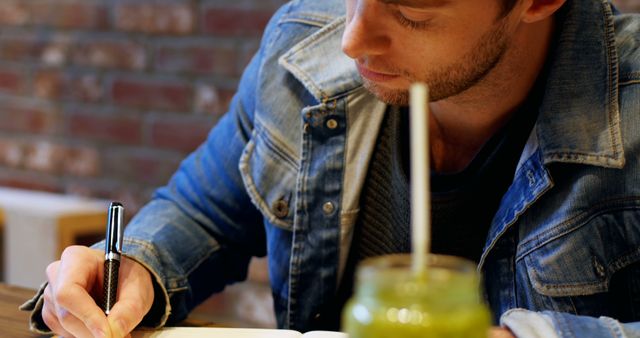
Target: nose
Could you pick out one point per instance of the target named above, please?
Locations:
(364, 34)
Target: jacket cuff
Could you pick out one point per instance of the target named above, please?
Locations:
(36, 323)
(528, 324)
(161, 307)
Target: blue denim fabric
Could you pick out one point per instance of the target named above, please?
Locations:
(275, 178)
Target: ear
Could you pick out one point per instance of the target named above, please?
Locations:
(537, 10)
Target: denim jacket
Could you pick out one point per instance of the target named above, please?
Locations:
(281, 173)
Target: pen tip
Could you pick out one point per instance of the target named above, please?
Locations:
(115, 204)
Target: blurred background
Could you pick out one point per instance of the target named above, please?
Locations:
(101, 100)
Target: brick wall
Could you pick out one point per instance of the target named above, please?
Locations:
(105, 97)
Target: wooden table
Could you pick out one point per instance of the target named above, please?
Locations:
(218, 311)
(13, 322)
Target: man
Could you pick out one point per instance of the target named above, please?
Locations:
(534, 132)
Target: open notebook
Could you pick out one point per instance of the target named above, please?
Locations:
(206, 332)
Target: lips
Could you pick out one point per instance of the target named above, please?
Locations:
(375, 76)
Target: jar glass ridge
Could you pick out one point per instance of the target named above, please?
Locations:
(391, 301)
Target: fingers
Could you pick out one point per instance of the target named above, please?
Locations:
(135, 297)
(70, 309)
(79, 314)
(76, 309)
(49, 316)
(500, 332)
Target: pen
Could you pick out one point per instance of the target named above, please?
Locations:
(112, 251)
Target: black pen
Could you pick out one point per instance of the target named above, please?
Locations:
(112, 251)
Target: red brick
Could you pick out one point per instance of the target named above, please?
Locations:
(28, 181)
(49, 84)
(52, 51)
(180, 133)
(207, 99)
(86, 88)
(146, 166)
(14, 13)
(226, 95)
(132, 196)
(248, 51)
(155, 18)
(11, 152)
(55, 84)
(108, 128)
(69, 14)
(110, 54)
(232, 21)
(162, 95)
(16, 118)
(11, 80)
(56, 52)
(21, 49)
(44, 156)
(81, 161)
(197, 59)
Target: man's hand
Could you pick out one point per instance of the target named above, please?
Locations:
(76, 280)
(500, 332)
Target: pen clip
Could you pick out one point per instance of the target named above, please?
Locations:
(113, 239)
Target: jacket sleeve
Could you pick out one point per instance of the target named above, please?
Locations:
(548, 324)
(199, 232)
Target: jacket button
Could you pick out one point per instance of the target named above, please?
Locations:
(280, 208)
(332, 124)
(328, 208)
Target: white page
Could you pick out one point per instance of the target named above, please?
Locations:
(324, 334)
(214, 332)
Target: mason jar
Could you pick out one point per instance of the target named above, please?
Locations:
(391, 301)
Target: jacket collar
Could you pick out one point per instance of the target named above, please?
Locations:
(320, 65)
(579, 120)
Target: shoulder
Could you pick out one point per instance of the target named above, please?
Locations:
(313, 11)
(296, 21)
(295, 17)
(627, 27)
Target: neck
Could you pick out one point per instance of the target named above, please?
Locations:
(462, 124)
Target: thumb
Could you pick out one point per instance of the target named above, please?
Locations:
(134, 300)
(116, 327)
(124, 317)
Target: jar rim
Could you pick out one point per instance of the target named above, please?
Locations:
(402, 262)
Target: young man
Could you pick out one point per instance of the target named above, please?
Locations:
(535, 119)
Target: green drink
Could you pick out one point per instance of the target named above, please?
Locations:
(391, 301)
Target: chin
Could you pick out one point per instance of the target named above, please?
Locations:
(396, 97)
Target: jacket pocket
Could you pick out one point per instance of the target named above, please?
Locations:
(269, 173)
(582, 260)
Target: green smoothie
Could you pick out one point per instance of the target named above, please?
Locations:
(391, 302)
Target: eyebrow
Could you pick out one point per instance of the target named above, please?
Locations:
(417, 3)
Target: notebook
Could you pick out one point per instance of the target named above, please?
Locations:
(206, 332)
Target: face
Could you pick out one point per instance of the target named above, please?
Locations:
(449, 44)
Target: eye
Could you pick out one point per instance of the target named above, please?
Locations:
(412, 18)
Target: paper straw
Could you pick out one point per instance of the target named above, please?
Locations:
(420, 188)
